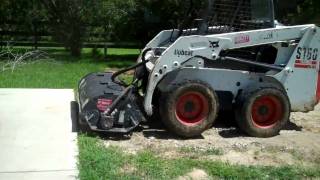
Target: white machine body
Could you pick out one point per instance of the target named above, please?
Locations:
(298, 53)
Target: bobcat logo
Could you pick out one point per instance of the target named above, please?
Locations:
(182, 52)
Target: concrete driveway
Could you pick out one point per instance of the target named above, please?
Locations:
(36, 138)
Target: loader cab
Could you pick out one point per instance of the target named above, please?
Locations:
(243, 15)
(224, 16)
(262, 11)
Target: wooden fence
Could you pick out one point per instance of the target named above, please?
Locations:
(38, 36)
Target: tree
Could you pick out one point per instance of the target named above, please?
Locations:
(70, 19)
(152, 16)
(298, 11)
(309, 12)
(19, 15)
(67, 22)
(116, 16)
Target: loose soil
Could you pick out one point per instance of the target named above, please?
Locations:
(297, 144)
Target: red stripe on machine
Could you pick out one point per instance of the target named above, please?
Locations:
(318, 86)
(318, 89)
(305, 66)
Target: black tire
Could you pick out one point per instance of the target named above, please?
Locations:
(74, 109)
(263, 112)
(198, 108)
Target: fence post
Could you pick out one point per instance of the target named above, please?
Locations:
(35, 34)
(1, 40)
(1, 36)
(105, 50)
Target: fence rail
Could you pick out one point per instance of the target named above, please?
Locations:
(37, 37)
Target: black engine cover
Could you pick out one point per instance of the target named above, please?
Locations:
(97, 92)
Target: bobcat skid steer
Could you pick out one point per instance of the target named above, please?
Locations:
(234, 57)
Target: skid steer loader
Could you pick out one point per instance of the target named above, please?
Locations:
(234, 57)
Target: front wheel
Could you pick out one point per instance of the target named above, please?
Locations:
(263, 113)
(189, 108)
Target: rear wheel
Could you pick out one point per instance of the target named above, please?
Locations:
(263, 113)
(189, 108)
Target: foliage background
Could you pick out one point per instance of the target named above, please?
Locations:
(129, 20)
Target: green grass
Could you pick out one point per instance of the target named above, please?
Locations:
(64, 71)
(98, 162)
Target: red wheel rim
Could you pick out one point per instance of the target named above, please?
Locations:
(266, 111)
(192, 108)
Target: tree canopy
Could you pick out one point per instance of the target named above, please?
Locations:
(129, 20)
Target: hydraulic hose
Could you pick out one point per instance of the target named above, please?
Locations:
(118, 73)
